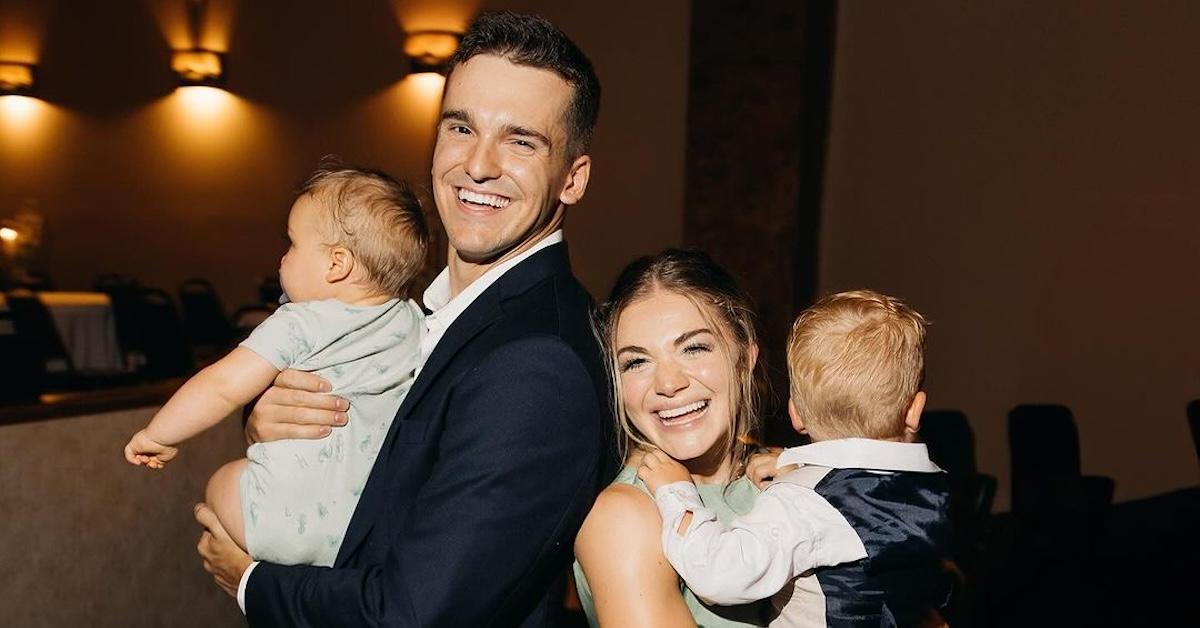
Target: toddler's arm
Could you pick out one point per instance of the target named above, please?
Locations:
(211, 395)
(790, 530)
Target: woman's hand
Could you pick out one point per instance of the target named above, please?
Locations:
(297, 405)
(659, 469)
(763, 467)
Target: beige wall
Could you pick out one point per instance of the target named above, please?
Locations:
(1026, 174)
(134, 177)
(88, 540)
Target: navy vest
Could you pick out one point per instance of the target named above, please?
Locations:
(903, 521)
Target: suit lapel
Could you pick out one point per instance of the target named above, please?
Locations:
(483, 312)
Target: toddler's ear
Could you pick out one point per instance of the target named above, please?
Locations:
(341, 264)
(797, 422)
(912, 418)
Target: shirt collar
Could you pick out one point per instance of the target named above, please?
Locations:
(862, 453)
(437, 295)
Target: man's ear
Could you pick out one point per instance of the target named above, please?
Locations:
(797, 422)
(341, 264)
(912, 419)
(577, 180)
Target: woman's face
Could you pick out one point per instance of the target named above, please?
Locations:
(676, 375)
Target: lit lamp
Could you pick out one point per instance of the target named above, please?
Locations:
(428, 51)
(16, 78)
(199, 67)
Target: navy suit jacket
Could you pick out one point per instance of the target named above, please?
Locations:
(470, 512)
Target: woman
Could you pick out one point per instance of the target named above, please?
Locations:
(679, 336)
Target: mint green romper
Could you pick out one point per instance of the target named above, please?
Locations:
(728, 503)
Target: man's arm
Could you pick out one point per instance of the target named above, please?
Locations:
(515, 474)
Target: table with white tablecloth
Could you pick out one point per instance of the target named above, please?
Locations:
(86, 325)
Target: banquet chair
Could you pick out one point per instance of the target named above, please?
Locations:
(167, 351)
(125, 293)
(951, 444)
(247, 317)
(208, 329)
(33, 322)
(19, 368)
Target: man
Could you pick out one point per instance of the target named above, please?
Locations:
(494, 457)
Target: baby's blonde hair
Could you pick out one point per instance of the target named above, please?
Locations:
(855, 361)
(377, 218)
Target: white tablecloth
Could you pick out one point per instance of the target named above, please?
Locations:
(86, 325)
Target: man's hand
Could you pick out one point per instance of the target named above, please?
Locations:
(222, 557)
(763, 467)
(659, 469)
(297, 405)
(143, 450)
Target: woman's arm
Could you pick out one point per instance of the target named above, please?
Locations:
(620, 550)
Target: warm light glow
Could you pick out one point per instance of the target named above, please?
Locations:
(425, 89)
(15, 78)
(205, 104)
(197, 67)
(17, 111)
(8, 234)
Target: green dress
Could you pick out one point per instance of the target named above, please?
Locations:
(728, 501)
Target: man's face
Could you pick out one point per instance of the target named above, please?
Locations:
(501, 174)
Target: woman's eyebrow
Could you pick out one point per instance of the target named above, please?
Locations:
(688, 335)
(632, 349)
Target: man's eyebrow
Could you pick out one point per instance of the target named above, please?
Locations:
(524, 131)
(456, 114)
(686, 336)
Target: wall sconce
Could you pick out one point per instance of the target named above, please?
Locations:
(428, 51)
(199, 67)
(8, 234)
(16, 78)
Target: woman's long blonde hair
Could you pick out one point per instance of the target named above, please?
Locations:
(694, 275)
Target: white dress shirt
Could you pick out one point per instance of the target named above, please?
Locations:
(445, 309)
(790, 530)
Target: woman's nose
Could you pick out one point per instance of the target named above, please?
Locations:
(669, 379)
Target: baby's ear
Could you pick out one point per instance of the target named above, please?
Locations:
(341, 264)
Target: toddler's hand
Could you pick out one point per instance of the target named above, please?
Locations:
(143, 450)
(659, 469)
(763, 467)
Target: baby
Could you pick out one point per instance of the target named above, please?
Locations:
(357, 237)
(861, 526)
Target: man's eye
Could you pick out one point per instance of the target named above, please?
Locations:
(524, 144)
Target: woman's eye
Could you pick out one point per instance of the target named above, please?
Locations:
(697, 348)
(631, 364)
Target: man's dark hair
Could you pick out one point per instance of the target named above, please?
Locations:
(533, 41)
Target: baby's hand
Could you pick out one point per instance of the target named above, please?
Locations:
(143, 450)
(763, 467)
(659, 469)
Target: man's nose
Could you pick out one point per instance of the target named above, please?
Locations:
(482, 163)
(669, 378)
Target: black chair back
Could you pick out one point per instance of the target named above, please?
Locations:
(33, 322)
(166, 348)
(204, 318)
(20, 368)
(1044, 445)
(125, 294)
